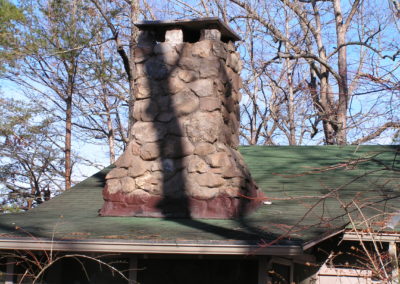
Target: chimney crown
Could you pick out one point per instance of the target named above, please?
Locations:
(192, 29)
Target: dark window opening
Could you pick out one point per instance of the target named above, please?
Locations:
(84, 271)
(190, 36)
(197, 271)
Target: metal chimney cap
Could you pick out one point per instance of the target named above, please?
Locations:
(189, 25)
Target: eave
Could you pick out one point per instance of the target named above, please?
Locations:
(146, 247)
(371, 236)
(324, 237)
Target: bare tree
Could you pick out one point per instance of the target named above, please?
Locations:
(30, 164)
(55, 38)
(102, 101)
(124, 33)
(329, 85)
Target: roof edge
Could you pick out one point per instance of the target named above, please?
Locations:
(146, 247)
(312, 243)
(360, 236)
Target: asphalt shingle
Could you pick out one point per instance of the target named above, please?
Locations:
(313, 189)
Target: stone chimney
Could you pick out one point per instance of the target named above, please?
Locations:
(182, 160)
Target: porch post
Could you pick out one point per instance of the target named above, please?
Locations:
(262, 270)
(394, 262)
(10, 271)
(132, 269)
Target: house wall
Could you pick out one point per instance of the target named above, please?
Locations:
(327, 275)
(346, 263)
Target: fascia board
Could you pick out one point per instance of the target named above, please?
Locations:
(146, 247)
(365, 236)
(312, 243)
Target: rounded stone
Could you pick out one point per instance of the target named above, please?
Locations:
(219, 49)
(209, 180)
(150, 182)
(163, 47)
(187, 75)
(229, 103)
(202, 48)
(142, 53)
(175, 85)
(176, 147)
(133, 148)
(202, 193)
(113, 186)
(209, 68)
(204, 127)
(165, 116)
(124, 160)
(210, 104)
(184, 103)
(150, 151)
(233, 61)
(145, 110)
(203, 87)
(218, 160)
(204, 148)
(170, 58)
(196, 164)
(117, 173)
(189, 63)
(138, 167)
(156, 69)
(146, 88)
(127, 184)
(148, 131)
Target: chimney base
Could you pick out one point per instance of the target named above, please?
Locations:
(220, 207)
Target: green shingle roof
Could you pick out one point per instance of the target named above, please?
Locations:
(312, 188)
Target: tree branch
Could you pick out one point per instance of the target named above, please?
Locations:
(354, 8)
(377, 132)
(120, 48)
(310, 56)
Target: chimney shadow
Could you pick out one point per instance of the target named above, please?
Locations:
(169, 103)
(174, 202)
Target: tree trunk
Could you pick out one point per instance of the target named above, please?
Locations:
(292, 124)
(108, 110)
(290, 101)
(110, 137)
(342, 107)
(68, 133)
(132, 45)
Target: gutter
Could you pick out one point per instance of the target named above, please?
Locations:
(312, 243)
(373, 236)
(123, 246)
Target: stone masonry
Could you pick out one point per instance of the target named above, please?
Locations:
(182, 160)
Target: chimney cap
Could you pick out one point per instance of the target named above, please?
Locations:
(227, 34)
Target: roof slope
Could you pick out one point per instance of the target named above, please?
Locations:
(312, 188)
